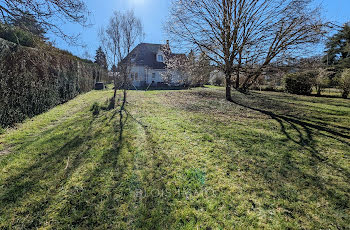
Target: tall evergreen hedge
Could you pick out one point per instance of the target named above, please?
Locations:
(33, 80)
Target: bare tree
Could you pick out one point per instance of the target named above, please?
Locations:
(187, 70)
(110, 42)
(49, 14)
(179, 67)
(117, 39)
(244, 36)
(322, 79)
(203, 70)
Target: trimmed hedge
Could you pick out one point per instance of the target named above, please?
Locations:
(33, 80)
(300, 83)
(18, 36)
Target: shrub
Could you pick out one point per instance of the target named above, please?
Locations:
(95, 108)
(344, 83)
(300, 83)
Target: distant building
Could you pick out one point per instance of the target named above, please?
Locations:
(148, 64)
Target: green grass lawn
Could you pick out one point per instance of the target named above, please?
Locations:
(180, 160)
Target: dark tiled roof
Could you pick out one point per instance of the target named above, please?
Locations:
(144, 54)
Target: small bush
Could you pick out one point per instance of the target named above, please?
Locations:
(300, 83)
(344, 83)
(95, 109)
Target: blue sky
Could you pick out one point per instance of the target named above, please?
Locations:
(153, 13)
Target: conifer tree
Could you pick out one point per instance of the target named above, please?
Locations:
(338, 49)
(100, 58)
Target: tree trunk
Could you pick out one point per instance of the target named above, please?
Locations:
(112, 101)
(237, 80)
(319, 92)
(115, 89)
(228, 88)
(124, 98)
(318, 88)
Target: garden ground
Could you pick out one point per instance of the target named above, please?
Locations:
(180, 160)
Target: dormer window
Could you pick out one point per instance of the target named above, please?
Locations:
(160, 58)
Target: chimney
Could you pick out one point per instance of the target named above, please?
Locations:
(166, 49)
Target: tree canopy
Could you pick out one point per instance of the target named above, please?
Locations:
(338, 49)
(243, 36)
(49, 14)
(27, 21)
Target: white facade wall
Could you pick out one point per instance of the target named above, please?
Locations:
(145, 76)
(140, 71)
(154, 76)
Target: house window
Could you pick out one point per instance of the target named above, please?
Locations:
(160, 58)
(132, 76)
(153, 75)
(136, 76)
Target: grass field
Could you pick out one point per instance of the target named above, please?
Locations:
(180, 160)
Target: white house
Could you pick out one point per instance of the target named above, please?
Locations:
(148, 64)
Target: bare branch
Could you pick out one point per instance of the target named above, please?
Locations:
(245, 35)
(50, 14)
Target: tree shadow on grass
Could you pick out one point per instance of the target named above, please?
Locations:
(282, 112)
(124, 202)
(151, 204)
(306, 130)
(95, 203)
(45, 185)
(293, 166)
(109, 196)
(306, 124)
(114, 206)
(33, 187)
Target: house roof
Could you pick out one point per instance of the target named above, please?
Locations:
(145, 54)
